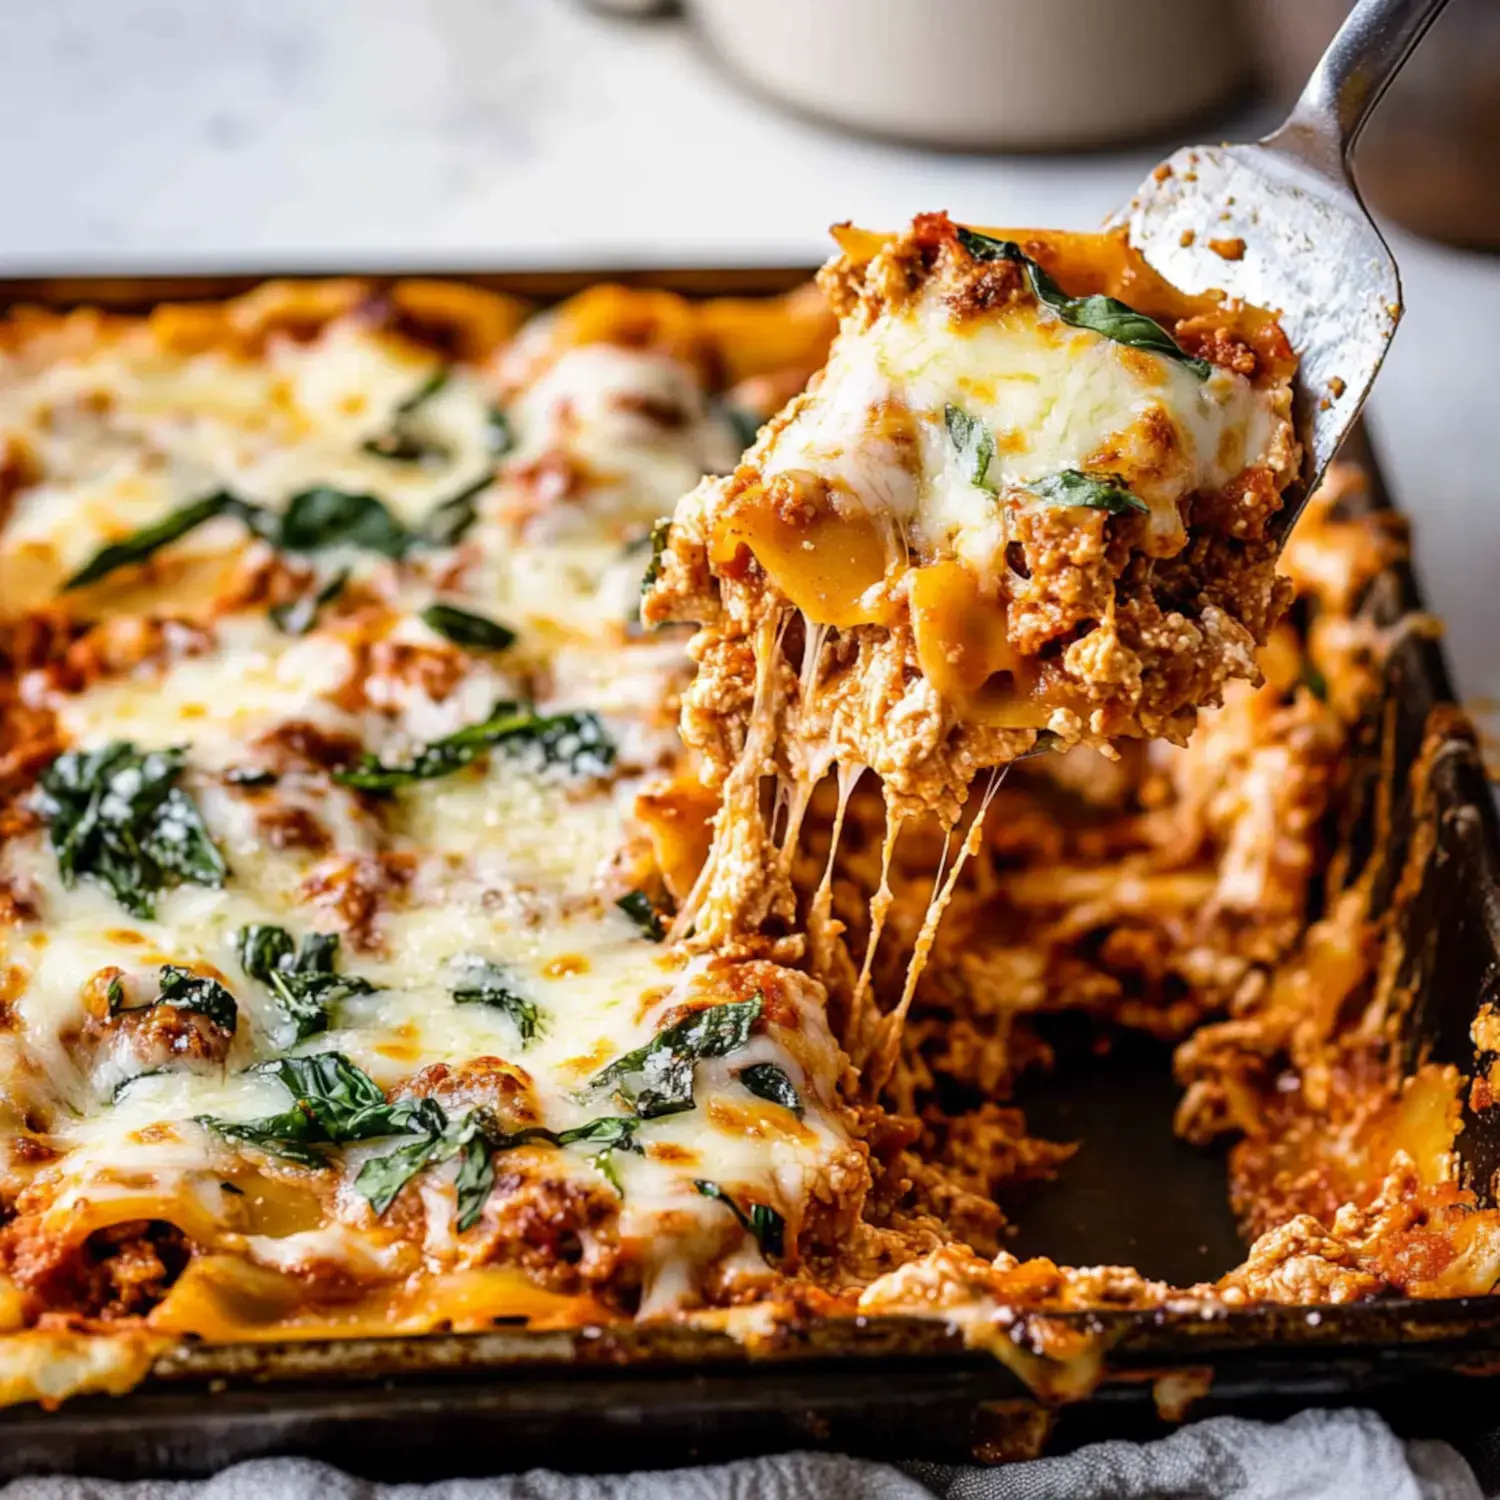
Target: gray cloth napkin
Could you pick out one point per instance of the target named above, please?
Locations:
(1337, 1455)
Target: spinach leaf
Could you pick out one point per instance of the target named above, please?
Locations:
(324, 517)
(466, 629)
(637, 906)
(403, 440)
(450, 519)
(333, 1103)
(500, 436)
(184, 990)
(382, 1177)
(762, 1221)
(475, 1180)
(1102, 315)
(117, 816)
(661, 533)
(314, 519)
(303, 982)
(298, 616)
(142, 544)
(1092, 491)
(607, 1133)
(181, 989)
(285, 1135)
(975, 444)
(577, 741)
(485, 983)
(345, 1103)
(769, 1082)
(657, 1079)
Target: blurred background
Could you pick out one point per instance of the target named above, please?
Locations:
(277, 135)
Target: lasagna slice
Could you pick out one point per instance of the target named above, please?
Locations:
(1026, 503)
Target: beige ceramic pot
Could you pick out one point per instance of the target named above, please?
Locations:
(981, 74)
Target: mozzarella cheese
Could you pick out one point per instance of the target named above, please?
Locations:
(506, 860)
(1054, 398)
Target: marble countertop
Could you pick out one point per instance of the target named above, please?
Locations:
(334, 134)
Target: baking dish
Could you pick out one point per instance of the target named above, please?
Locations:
(613, 1399)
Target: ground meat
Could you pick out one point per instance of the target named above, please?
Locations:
(355, 889)
(121, 1271)
(561, 1231)
(298, 745)
(501, 1091)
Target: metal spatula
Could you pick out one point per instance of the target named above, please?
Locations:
(1281, 225)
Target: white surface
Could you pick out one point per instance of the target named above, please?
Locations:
(333, 133)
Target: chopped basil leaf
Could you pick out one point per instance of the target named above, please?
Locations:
(333, 1103)
(324, 517)
(485, 983)
(607, 1134)
(767, 1081)
(402, 440)
(657, 1079)
(142, 544)
(181, 989)
(975, 444)
(762, 1221)
(314, 519)
(637, 906)
(299, 615)
(466, 629)
(345, 1103)
(450, 519)
(577, 741)
(476, 1178)
(424, 393)
(1092, 491)
(117, 816)
(382, 1177)
(278, 1135)
(304, 983)
(1102, 315)
(603, 1163)
(184, 990)
(1314, 681)
(661, 533)
(500, 436)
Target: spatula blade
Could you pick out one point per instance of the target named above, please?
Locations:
(1253, 222)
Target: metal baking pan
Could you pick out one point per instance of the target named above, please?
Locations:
(890, 1387)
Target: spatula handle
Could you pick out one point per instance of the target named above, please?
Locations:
(1375, 40)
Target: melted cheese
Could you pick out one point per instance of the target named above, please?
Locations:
(1054, 398)
(502, 860)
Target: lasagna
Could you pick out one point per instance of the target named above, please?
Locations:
(356, 970)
